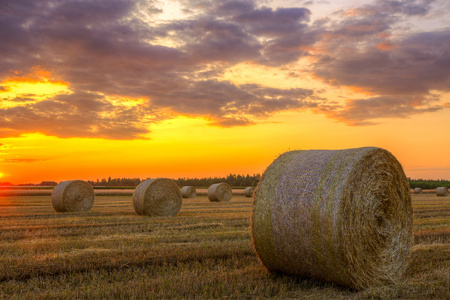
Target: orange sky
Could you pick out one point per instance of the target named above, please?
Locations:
(191, 147)
(119, 108)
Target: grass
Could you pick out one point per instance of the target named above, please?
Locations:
(203, 252)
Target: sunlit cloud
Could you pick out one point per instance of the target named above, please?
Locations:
(33, 87)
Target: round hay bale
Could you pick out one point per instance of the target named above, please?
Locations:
(73, 195)
(248, 192)
(157, 197)
(442, 191)
(342, 216)
(418, 190)
(188, 192)
(220, 192)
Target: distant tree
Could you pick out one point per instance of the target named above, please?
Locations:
(428, 183)
(48, 183)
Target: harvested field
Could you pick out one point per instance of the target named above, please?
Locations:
(205, 251)
(98, 192)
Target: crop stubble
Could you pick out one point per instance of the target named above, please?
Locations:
(205, 251)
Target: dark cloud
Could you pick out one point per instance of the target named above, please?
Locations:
(311, 2)
(390, 9)
(210, 41)
(362, 26)
(407, 7)
(364, 111)
(268, 22)
(417, 64)
(285, 30)
(225, 102)
(402, 72)
(22, 99)
(236, 35)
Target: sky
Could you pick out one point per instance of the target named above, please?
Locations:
(198, 88)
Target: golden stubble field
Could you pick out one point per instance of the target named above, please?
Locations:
(204, 252)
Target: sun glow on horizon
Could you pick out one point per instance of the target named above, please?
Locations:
(191, 147)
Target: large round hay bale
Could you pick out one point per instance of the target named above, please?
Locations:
(157, 197)
(73, 195)
(342, 216)
(418, 190)
(442, 191)
(220, 192)
(248, 192)
(188, 192)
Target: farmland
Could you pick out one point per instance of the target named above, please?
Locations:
(204, 252)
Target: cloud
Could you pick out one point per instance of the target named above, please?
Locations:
(358, 112)
(417, 64)
(119, 49)
(208, 40)
(230, 104)
(400, 74)
(22, 99)
(102, 48)
(236, 31)
(78, 114)
(231, 122)
(284, 29)
(311, 2)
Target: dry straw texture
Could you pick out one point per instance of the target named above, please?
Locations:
(188, 192)
(442, 191)
(417, 190)
(157, 197)
(248, 192)
(73, 195)
(343, 216)
(220, 192)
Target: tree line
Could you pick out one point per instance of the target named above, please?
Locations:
(241, 180)
(427, 184)
(231, 179)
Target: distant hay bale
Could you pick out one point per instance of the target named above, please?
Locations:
(157, 197)
(219, 192)
(188, 192)
(442, 191)
(342, 216)
(248, 192)
(417, 190)
(73, 195)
